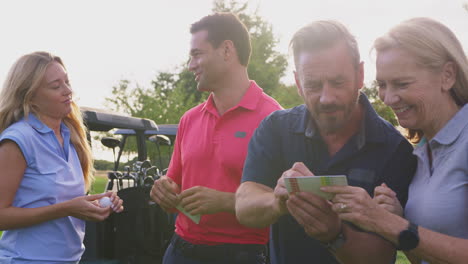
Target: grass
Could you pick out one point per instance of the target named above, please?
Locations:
(401, 258)
(99, 184)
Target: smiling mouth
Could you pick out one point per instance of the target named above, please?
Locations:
(400, 110)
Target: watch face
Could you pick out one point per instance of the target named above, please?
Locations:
(409, 238)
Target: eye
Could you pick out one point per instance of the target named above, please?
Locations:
(381, 85)
(195, 54)
(337, 83)
(402, 85)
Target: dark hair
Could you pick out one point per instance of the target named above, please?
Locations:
(322, 34)
(226, 26)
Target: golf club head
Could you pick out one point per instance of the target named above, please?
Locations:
(110, 142)
(160, 140)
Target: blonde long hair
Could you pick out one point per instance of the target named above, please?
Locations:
(433, 44)
(25, 77)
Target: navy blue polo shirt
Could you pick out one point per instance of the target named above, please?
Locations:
(377, 153)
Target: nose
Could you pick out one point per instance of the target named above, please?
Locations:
(67, 89)
(388, 96)
(327, 95)
(192, 65)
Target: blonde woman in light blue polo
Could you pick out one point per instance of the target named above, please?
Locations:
(46, 166)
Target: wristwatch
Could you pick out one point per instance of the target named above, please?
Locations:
(336, 243)
(408, 239)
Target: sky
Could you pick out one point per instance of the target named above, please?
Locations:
(104, 41)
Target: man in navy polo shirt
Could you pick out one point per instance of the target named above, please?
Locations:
(335, 132)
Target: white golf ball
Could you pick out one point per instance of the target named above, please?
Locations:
(105, 202)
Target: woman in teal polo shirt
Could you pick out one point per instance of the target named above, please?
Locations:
(46, 166)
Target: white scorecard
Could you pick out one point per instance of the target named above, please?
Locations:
(313, 183)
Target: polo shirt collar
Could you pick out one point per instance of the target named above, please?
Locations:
(40, 127)
(453, 129)
(249, 100)
(370, 129)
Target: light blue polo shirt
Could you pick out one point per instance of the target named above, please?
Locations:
(438, 196)
(53, 175)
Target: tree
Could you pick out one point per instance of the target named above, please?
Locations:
(173, 93)
(384, 111)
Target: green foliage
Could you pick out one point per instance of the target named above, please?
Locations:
(104, 165)
(384, 111)
(287, 96)
(173, 93)
(266, 66)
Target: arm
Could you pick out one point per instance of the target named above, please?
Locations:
(319, 220)
(256, 205)
(362, 247)
(367, 214)
(433, 247)
(13, 166)
(203, 200)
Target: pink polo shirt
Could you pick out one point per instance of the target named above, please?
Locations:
(210, 151)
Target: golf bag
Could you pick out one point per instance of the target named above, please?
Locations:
(138, 235)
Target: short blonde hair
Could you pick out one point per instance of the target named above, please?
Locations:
(433, 45)
(24, 78)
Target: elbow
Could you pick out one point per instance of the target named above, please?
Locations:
(247, 219)
(247, 213)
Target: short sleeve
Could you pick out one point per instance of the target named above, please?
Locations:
(264, 158)
(20, 140)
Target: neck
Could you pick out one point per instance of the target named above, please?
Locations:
(231, 91)
(52, 123)
(336, 140)
(441, 119)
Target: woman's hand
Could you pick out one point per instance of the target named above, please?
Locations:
(87, 207)
(387, 199)
(353, 204)
(116, 202)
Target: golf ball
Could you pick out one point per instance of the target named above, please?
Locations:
(105, 202)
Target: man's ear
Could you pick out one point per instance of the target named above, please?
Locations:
(298, 84)
(228, 50)
(449, 75)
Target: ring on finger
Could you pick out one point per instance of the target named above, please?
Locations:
(343, 206)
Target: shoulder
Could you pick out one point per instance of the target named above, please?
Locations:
(290, 115)
(292, 119)
(193, 112)
(270, 103)
(20, 130)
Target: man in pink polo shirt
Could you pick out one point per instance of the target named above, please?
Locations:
(211, 147)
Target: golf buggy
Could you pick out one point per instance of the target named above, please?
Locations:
(141, 233)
